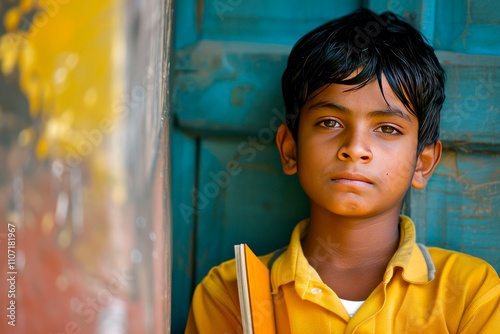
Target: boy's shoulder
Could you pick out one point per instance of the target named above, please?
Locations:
(465, 274)
(446, 261)
(467, 283)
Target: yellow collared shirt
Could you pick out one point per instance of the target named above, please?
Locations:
(424, 290)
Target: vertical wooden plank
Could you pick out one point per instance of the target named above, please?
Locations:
(417, 209)
(428, 19)
(185, 32)
(183, 157)
(183, 170)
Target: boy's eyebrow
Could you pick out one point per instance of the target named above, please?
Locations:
(375, 113)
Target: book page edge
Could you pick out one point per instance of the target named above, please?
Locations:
(244, 297)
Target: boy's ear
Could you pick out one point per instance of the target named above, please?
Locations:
(288, 150)
(426, 162)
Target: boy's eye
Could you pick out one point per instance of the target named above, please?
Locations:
(388, 130)
(329, 123)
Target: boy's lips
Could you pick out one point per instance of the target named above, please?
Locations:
(351, 179)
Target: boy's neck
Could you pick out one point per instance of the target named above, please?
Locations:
(351, 254)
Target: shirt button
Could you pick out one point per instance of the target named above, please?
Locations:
(315, 291)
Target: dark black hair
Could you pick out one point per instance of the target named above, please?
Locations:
(377, 44)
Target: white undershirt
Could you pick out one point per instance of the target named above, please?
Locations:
(351, 306)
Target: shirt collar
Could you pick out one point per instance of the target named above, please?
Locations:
(415, 260)
(292, 265)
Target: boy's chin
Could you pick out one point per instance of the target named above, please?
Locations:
(358, 210)
(352, 210)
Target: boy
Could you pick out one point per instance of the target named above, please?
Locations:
(363, 95)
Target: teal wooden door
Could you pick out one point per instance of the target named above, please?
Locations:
(227, 183)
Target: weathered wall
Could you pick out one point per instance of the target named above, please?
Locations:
(84, 178)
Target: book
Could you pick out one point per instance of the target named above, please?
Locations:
(254, 290)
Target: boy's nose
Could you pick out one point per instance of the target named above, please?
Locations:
(354, 149)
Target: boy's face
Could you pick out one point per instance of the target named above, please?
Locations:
(355, 156)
